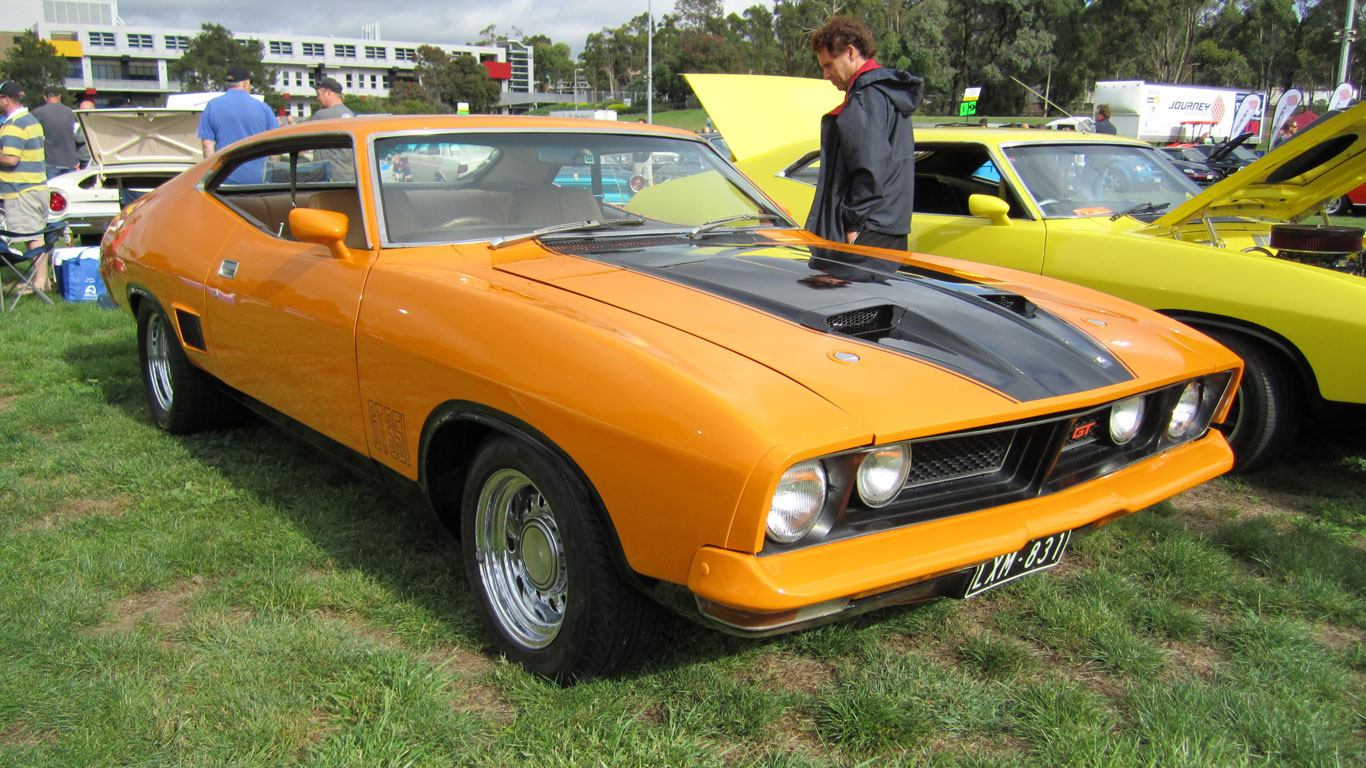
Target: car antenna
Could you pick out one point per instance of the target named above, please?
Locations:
(1049, 103)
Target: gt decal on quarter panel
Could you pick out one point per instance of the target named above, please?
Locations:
(388, 432)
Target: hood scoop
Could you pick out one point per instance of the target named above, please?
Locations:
(981, 332)
(879, 320)
(868, 323)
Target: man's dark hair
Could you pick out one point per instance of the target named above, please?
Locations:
(51, 91)
(839, 33)
(1103, 111)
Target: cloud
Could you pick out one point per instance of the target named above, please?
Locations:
(424, 21)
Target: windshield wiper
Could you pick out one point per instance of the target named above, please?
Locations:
(1140, 209)
(692, 235)
(568, 226)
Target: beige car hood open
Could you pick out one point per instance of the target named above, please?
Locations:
(757, 113)
(1292, 181)
(131, 136)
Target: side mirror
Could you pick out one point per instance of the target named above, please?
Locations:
(313, 225)
(983, 206)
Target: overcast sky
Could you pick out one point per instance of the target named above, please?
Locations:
(422, 21)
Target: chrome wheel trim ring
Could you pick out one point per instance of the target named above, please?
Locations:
(520, 557)
(159, 362)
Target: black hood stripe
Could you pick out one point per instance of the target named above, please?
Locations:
(996, 338)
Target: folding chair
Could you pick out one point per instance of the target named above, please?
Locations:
(16, 261)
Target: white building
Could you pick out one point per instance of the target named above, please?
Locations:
(124, 64)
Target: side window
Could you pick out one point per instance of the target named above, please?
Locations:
(263, 184)
(807, 170)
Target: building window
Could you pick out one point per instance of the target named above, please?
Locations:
(74, 69)
(314, 49)
(376, 52)
(281, 48)
(105, 39)
(104, 69)
(374, 81)
(349, 84)
(344, 51)
(142, 70)
(177, 42)
(405, 54)
(139, 41)
(298, 78)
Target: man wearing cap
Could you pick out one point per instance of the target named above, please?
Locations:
(232, 117)
(23, 179)
(342, 162)
(330, 96)
(59, 133)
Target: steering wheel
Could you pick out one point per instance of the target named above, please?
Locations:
(464, 221)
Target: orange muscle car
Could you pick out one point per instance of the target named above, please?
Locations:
(671, 394)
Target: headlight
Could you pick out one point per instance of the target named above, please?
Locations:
(797, 502)
(1126, 417)
(1186, 412)
(882, 473)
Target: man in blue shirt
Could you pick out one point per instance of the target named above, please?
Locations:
(232, 117)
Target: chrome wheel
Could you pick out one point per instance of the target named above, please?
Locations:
(159, 375)
(520, 558)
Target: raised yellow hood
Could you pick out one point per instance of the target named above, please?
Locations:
(1292, 181)
(757, 113)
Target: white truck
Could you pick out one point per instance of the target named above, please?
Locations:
(1186, 114)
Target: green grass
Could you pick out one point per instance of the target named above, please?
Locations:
(233, 599)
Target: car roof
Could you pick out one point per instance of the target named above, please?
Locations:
(368, 125)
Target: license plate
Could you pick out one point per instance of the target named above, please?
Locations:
(1038, 555)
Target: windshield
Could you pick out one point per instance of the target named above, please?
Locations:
(1074, 180)
(463, 187)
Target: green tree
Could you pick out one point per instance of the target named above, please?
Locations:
(471, 83)
(204, 65)
(554, 62)
(35, 65)
(448, 80)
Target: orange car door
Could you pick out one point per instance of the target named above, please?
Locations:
(281, 320)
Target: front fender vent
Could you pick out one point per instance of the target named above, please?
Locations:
(190, 330)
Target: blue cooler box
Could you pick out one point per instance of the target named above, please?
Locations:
(78, 273)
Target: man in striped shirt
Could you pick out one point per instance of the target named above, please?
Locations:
(23, 177)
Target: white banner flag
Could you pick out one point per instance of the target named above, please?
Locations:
(1248, 111)
(1342, 96)
(1289, 103)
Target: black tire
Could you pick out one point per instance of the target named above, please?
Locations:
(1341, 206)
(181, 397)
(537, 559)
(1268, 408)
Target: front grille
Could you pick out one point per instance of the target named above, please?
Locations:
(956, 458)
(971, 471)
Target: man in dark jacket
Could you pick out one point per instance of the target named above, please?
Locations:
(866, 186)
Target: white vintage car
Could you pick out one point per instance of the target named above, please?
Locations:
(132, 151)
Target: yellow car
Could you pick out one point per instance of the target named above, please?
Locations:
(671, 392)
(1110, 213)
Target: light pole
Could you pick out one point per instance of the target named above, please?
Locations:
(649, 62)
(1348, 34)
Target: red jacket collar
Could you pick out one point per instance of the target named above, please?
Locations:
(867, 65)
